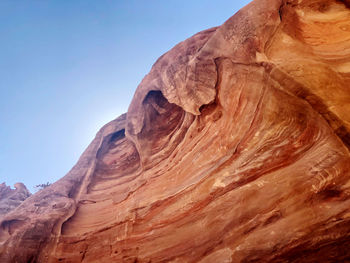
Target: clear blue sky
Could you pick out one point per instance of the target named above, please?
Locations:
(67, 67)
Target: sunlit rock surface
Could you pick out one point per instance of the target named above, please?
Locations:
(235, 148)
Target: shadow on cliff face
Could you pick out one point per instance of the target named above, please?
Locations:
(345, 2)
(161, 120)
(117, 155)
(164, 127)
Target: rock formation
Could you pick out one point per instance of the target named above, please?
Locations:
(11, 198)
(235, 148)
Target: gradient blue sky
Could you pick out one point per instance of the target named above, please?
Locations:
(67, 67)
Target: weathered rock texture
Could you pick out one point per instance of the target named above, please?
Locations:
(235, 148)
(11, 198)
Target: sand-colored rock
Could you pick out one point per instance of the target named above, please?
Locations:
(235, 148)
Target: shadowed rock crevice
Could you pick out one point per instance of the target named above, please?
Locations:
(164, 120)
(345, 2)
(116, 157)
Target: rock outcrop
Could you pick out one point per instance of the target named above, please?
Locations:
(11, 198)
(235, 148)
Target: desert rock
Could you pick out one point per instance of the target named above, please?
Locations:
(235, 148)
(11, 198)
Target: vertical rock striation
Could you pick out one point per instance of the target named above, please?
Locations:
(235, 148)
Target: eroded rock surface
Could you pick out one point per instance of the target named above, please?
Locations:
(11, 198)
(235, 148)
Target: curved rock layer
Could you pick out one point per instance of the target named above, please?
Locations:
(235, 148)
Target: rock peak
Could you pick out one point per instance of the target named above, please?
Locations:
(12, 198)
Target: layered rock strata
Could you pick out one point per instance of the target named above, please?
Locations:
(235, 148)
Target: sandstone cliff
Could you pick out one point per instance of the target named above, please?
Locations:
(235, 148)
(11, 198)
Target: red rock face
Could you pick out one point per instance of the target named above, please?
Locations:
(235, 148)
(11, 198)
